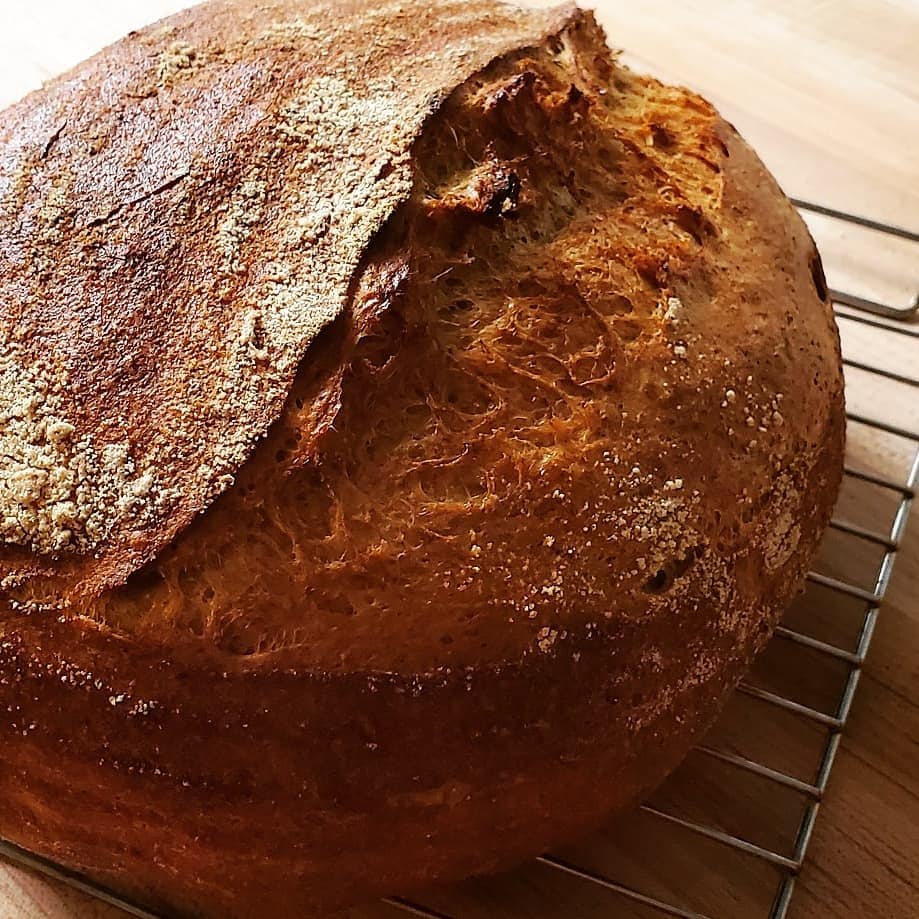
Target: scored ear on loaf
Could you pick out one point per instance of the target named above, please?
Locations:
(414, 422)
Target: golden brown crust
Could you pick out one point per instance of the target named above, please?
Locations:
(181, 216)
(582, 416)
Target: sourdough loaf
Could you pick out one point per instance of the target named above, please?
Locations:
(413, 422)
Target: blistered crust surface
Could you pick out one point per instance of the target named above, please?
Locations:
(179, 217)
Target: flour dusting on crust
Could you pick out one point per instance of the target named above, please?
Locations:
(59, 491)
(216, 182)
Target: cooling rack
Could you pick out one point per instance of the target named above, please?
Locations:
(830, 631)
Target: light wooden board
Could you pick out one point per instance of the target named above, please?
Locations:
(828, 92)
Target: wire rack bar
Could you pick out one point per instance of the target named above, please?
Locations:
(783, 900)
(880, 371)
(848, 695)
(866, 634)
(787, 884)
(815, 644)
(796, 708)
(46, 867)
(861, 532)
(734, 842)
(806, 830)
(774, 775)
(786, 888)
(861, 317)
(415, 909)
(903, 511)
(600, 881)
(885, 426)
(873, 306)
(866, 222)
(864, 304)
(882, 481)
(851, 590)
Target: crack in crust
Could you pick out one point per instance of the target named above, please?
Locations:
(115, 234)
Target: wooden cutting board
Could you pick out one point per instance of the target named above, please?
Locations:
(828, 93)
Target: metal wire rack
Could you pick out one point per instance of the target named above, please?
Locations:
(850, 308)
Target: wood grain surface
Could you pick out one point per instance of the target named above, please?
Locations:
(828, 93)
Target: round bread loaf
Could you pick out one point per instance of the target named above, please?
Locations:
(413, 424)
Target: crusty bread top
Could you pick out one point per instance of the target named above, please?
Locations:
(554, 410)
(179, 217)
